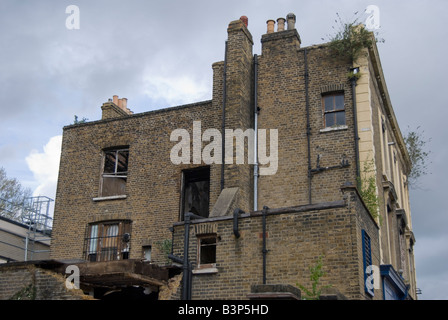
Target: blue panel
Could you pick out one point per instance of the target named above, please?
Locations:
(389, 291)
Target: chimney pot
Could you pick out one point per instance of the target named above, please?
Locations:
(271, 24)
(245, 20)
(115, 99)
(281, 24)
(124, 103)
(291, 17)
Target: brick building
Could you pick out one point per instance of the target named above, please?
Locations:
(255, 226)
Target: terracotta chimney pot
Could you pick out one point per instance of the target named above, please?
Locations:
(281, 24)
(271, 24)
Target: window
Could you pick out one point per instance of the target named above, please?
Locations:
(334, 110)
(195, 191)
(115, 172)
(207, 251)
(146, 253)
(107, 241)
(367, 262)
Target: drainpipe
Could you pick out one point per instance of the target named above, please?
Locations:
(264, 251)
(256, 133)
(236, 212)
(224, 96)
(308, 126)
(186, 265)
(355, 124)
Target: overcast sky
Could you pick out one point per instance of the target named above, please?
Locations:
(159, 54)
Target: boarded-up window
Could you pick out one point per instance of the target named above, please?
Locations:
(107, 241)
(115, 172)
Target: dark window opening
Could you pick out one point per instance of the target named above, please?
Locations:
(115, 172)
(207, 251)
(196, 192)
(146, 253)
(107, 241)
(334, 110)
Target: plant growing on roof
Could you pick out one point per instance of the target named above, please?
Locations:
(77, 121)
(350, 38)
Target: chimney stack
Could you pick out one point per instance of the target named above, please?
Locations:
(121, 103)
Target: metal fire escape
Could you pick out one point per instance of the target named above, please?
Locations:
(34, 213)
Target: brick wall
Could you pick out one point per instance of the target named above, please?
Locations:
(294, 241)
(282, 99)
(290, 85)
(28, 282)
(153, 184)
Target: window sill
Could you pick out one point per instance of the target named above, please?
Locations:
(208, 270)
(330, 129)
(123, 196)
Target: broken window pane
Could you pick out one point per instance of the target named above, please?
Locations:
(109, 162)
(122, 161)
(115, 172)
